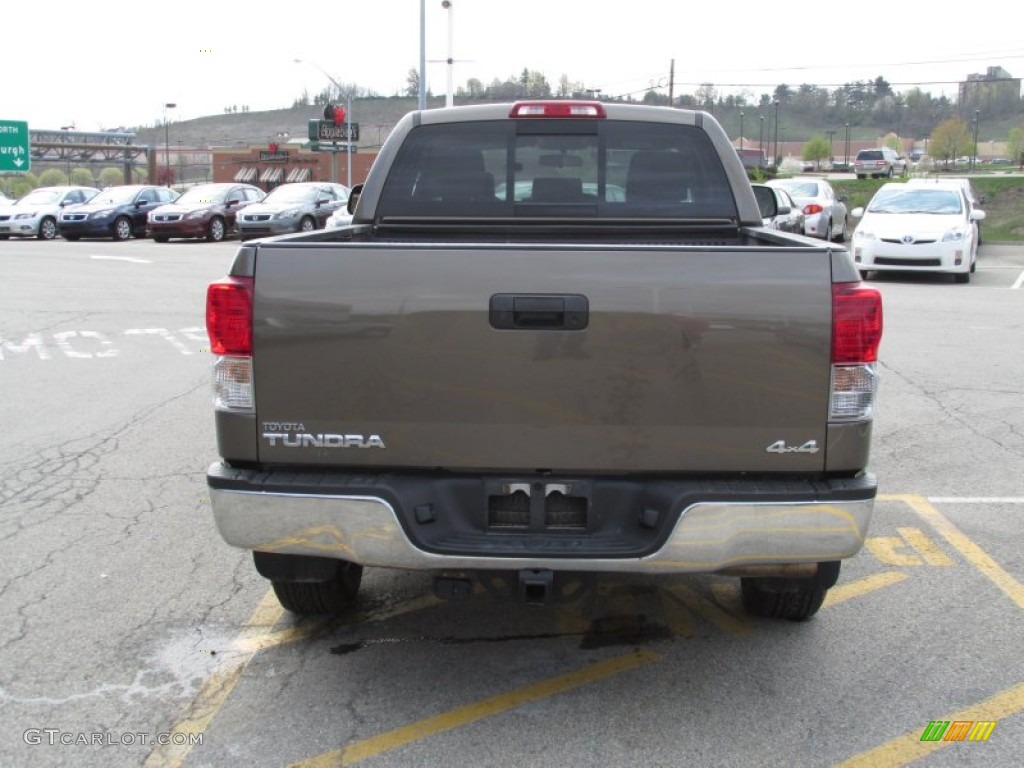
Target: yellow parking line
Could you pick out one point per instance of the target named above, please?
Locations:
(257, 635)
(215, 691)
(971, 551)
(843, 592)
(909, 747)
(926, 547)
(384, 742)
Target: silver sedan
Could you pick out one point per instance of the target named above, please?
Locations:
(825, 213)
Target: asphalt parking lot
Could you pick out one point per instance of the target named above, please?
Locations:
(133, 635)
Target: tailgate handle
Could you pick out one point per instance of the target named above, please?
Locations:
(538, 311)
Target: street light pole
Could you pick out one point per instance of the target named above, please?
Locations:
(847, 146)
(422, 95)
(450, 96)
(167, 144)
(741, 131)
(66, 150)
(348, 114)
(830, 135)
(776, 153)
(974, 154)
(760, 139)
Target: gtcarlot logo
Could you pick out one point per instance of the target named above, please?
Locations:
(55, 736)
(958, 730)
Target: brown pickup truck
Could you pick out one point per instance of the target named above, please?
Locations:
(555, 340)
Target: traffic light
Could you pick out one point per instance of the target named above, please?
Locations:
(335, 114)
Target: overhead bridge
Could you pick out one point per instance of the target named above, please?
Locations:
(103, 148)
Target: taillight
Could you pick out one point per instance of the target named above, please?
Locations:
(557, 109)
(812, 208)
(856, 334)
(856, 323)
(229, 316)
(229, 326)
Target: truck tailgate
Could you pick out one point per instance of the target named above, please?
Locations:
(523, 357)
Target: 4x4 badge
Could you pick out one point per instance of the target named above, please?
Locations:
(779, 446)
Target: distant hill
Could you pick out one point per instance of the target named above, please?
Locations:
(375, 117)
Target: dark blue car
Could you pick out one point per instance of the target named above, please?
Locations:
(117, 212)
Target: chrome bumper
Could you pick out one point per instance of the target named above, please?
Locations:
(706, 536)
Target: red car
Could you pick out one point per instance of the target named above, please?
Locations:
(208, 211)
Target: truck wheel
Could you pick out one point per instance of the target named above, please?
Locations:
(319, 597)
(793, 599)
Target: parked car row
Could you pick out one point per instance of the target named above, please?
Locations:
(208, 211)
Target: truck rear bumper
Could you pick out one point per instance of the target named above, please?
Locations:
(680, 526)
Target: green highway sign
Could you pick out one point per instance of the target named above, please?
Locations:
(14, 154)
(326, 130)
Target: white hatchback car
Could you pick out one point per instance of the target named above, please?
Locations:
(911, 228)
(35, 214)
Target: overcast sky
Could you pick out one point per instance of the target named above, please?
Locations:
(114, 63)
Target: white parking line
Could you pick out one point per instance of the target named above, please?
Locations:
(976, 499)
(1019, 282)
(98, 257)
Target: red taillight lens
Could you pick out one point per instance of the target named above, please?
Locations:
(229, 316)
(812, 208)
(856, 323)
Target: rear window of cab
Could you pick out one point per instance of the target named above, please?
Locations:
(557, 168)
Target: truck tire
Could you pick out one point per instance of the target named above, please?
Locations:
(320, 597)
(793, 599)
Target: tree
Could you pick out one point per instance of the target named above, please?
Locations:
(1015, 145)
(412, 83)
(892, 141)
(816, 149)
(537, 86)
(111, 177)
(52, 177)
(949, 139)
(24, 185)
(706, 95)
(82, 177)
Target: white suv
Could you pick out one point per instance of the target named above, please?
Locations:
(877, 163)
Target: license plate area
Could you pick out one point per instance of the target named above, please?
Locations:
(538, 506)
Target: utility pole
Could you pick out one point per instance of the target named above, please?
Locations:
(671, 80)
